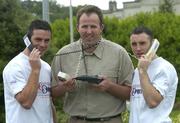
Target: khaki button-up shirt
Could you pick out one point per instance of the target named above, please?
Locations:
(110, 60)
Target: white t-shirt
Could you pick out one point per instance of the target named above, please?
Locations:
(15, 76)
(163, 77)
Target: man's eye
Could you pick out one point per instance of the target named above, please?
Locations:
(84, 26)
(47, 41)
(133, 44)
(93, 26)
(141, 43)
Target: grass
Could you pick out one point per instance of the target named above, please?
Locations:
(175, 115)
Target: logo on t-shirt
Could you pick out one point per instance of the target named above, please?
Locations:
(136, 91)
(44, 89)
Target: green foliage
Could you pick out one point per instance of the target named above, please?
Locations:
(175, 116)
(165, 26)
(12, 28)
(166, 6)
(56, 11)
(61, 35)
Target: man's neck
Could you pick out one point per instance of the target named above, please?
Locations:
(89, 48)
(26, 52)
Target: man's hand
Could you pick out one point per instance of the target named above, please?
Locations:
(69, 85)
(143, 63)
(34, 59)
(102, 86)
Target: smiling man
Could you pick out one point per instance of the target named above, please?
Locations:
(27, 80)
(154, 82)
(86, 102)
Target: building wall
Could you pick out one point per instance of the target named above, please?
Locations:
(132, 8)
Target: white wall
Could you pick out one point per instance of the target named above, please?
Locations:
(131, 8)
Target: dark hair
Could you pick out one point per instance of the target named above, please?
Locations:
(38, 24)
(143, 29)
(89, 9)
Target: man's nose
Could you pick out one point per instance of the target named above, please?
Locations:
(138, 47)
(43, 43)
(89, 30)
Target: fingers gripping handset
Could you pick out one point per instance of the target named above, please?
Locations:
(34, 58)
(152, 51)
(28, 43)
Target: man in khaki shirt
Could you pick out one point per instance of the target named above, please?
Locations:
(85, 101)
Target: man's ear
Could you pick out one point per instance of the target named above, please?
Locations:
(102, 27)
(77, 27)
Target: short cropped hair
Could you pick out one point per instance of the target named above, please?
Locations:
(143, 29)
(38, 24)
(89, 9)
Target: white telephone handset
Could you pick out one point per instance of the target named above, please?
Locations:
(28, 43)
(153, 49)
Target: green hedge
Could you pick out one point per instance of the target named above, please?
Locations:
(165, 26)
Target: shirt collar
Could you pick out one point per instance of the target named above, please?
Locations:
(98, 52)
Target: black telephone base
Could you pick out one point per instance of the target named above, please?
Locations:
(91, 79)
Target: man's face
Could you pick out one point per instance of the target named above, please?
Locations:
(89, 28)
(140, 43)
(40, 39)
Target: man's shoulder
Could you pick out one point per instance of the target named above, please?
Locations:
(70, 47)
(165, 65)
(18, 59)
(163, 62)
(15, 64)
(112, 45)
(45, 64)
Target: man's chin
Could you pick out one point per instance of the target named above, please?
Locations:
(138, 56)
(90, 42)
(42, 53)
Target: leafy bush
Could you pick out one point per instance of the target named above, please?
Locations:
(165, 26)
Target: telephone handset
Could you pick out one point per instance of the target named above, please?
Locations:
(28, 43)
(152, 51)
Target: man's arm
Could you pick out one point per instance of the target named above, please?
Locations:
(151, 94)
(27, 96)
(120, 91)
(62, 87)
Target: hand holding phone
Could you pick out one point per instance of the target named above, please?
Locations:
(152, 51)
(28, 43)
(63, 76)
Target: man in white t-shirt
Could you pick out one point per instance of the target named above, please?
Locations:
(154, 82)
(27, 80)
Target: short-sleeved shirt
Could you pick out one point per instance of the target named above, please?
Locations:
(163, 77)
(15, 77)
(109, 59)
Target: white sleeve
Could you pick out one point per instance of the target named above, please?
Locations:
(164, 81)
(15, 79)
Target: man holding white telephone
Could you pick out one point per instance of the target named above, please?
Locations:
(27, 79)
(154, 81)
